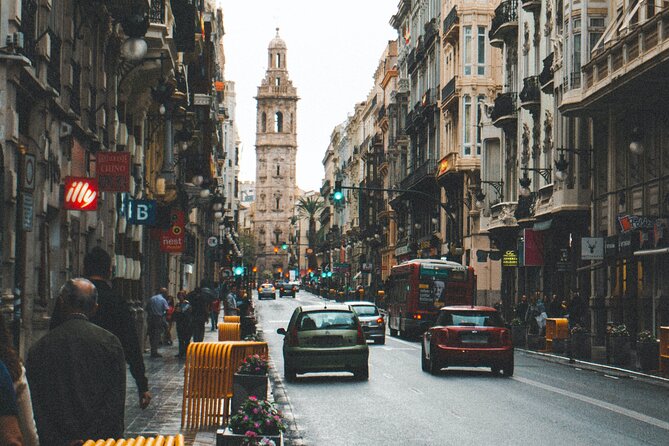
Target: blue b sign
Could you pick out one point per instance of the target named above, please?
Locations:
(142, 212)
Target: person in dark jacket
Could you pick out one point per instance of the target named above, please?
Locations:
(114, 315)
(183, 316)
(200, 299)
(77, 374)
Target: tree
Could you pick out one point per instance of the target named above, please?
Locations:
(308, 207)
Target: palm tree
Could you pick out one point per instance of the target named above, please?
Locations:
(308, 207)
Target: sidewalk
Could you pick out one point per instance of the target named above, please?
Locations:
(166, 380)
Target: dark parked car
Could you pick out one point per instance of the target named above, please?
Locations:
(468, 336)
(324, 338)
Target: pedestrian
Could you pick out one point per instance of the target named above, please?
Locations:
(554, 307)
(77, 374)
(214, 311)
(169, 320)
(200, 299)
(115, 315)
(10, 430)
(17, 372)
(155, 310)
(521, 309)
(230, 306)
(183, 317)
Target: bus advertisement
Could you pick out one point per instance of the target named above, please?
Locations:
(418, 288)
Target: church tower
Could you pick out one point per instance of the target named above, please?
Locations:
(276, 151)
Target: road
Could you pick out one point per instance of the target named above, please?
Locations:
(544, 403)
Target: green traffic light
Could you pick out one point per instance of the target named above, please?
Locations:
(329, 273)
(284, 246)
(338, 196)
(239, 271)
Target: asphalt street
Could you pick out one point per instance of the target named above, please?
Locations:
(545, 403)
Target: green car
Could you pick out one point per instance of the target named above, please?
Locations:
(324, 338)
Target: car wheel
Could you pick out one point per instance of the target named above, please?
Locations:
(380, 341)
(433, 365)
(362, 374)
(393, 332)
(424, 363)
(289, 374)
(508, 369)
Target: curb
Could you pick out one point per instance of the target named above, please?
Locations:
(615, 371)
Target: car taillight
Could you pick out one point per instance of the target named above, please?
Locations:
(361, 336)
(505, 337)
(292, 338)
(418, 316)
(380, 321)
(440, 336)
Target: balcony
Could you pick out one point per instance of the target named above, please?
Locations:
(448, 96)
(451, 25)
(504, 112)
(504, 24)
(431, 32)
(531, 5)
(411, 60)
(547, 74)
(530, 96)
(157, 11)
(424, 171)
(503, 216)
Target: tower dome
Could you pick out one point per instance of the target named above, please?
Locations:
(277, 42)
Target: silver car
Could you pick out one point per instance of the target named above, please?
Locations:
(372, 321)
(266, 291)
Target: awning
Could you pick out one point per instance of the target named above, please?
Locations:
(543, 225)
(651, 252)
(592, 266)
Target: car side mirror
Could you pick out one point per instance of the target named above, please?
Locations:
(281, 331)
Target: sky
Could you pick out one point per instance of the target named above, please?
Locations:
(333, 51)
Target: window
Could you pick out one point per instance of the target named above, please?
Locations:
(277, 60)
(479, 110)
(576, 62)
(263, 122)
(481, 51)
(278, 122)
(278, 202)
(596, 31)
(278, 170)
(466, 124)
(467, 51)
(277, 81)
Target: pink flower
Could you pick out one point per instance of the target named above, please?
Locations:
(253, 398)
(255, 411)
(251, 434)
(256, 425)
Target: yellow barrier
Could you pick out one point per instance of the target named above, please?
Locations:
(229, 331)
(170, 440)
(664, 349)
(231, 319)
(208, 380)
(556, 328)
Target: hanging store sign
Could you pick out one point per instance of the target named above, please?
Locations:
(510, 258)
(592, 248)
(113, 171)
(29, 172)
(28, 211)
(142, 212)
(172, 240)
(611, 246)
(533, 248)
(81, 194)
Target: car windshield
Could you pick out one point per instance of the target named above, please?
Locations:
(327, 320)
(470, 318)
(366, 310)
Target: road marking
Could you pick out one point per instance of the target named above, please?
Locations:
(604, 405)
(389, 376)
(414, 390)
(396, 348)
(402, 341)
(612, 377)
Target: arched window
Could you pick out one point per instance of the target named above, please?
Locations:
(278, 170)
(263, 122)
(277, 60)
(278, 201)
(278, 122)
(277, 81)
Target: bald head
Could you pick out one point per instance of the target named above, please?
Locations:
(79, 295)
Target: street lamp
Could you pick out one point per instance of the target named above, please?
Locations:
(525, 181)
(562, 163)
(636, 144)
(135, 27)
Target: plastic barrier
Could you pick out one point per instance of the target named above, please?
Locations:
(208, 374)
(170, 440)
(231, 319)
(556, 329)
(664, 349)
(229, 331)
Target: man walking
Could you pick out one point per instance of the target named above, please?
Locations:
(114, 315)
(76, 374)
(155, 310)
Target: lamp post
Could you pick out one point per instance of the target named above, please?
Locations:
(562, 163)
(525, 181)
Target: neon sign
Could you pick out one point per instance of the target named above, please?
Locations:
(81, 194)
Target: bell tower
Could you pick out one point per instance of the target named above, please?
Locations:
(276, 151)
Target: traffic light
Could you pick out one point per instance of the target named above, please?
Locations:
(284, 246)
(329, 273)
(255, 269)
(276, 250)
(337, 195)
(279, 270)
(239, 270)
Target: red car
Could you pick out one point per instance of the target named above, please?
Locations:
(469, 337)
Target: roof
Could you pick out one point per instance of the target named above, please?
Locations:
(359, 302)
(333, 306)
(467, 308)
(277, 42)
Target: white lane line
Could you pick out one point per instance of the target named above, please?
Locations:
(386, 348)
(402, 341)
(389, 376)
(612, 377)
(416, 391)
(604, 405)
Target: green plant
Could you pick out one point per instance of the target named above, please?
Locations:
(254, 365)
(257, 416)
(617, 330)
(645, 336)
(578, 328)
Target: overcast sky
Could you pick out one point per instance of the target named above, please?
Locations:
(333, 49)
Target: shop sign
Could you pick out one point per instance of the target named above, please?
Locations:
(424, 244)
(172, 240)
(533, 248)
(444, 166)
(142, 212)
(628, 243)
(28, 212)
(631, 222)
(402, 250)
(29, 172)
(563, 264)
(81, 194)
(611, 246)
(510, 258)
(592, 248)
(113, 171)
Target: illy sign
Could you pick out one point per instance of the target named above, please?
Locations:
(81, 194)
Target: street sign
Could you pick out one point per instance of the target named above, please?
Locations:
(172, 240)
(28, 205)
(81, 194)
(212, 241)
(29, 172)
(142, 212)
(113, 171)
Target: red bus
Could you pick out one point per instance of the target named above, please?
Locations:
(418, 288)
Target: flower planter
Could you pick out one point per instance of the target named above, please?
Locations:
(244, 386)
(225, 437)
(536, 342)
(618, 350)
(580, 346)
(559, 346)
(519, 335)
(649, 355)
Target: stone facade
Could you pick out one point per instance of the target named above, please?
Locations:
(276, 150)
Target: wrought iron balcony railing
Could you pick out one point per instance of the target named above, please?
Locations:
(157, 11)
(530, 94)
(504, 108)
(546, 75)
(451, 20)
(505, 13)
(448, 90)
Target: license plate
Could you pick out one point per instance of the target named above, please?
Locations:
(327, 341)
(474, 338)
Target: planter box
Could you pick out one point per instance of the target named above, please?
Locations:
(244, 386)
(618, 350)
(580, 346)
(536, 342)
(649, 355)
(519, 335)
(225, 437)
(559, 346)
